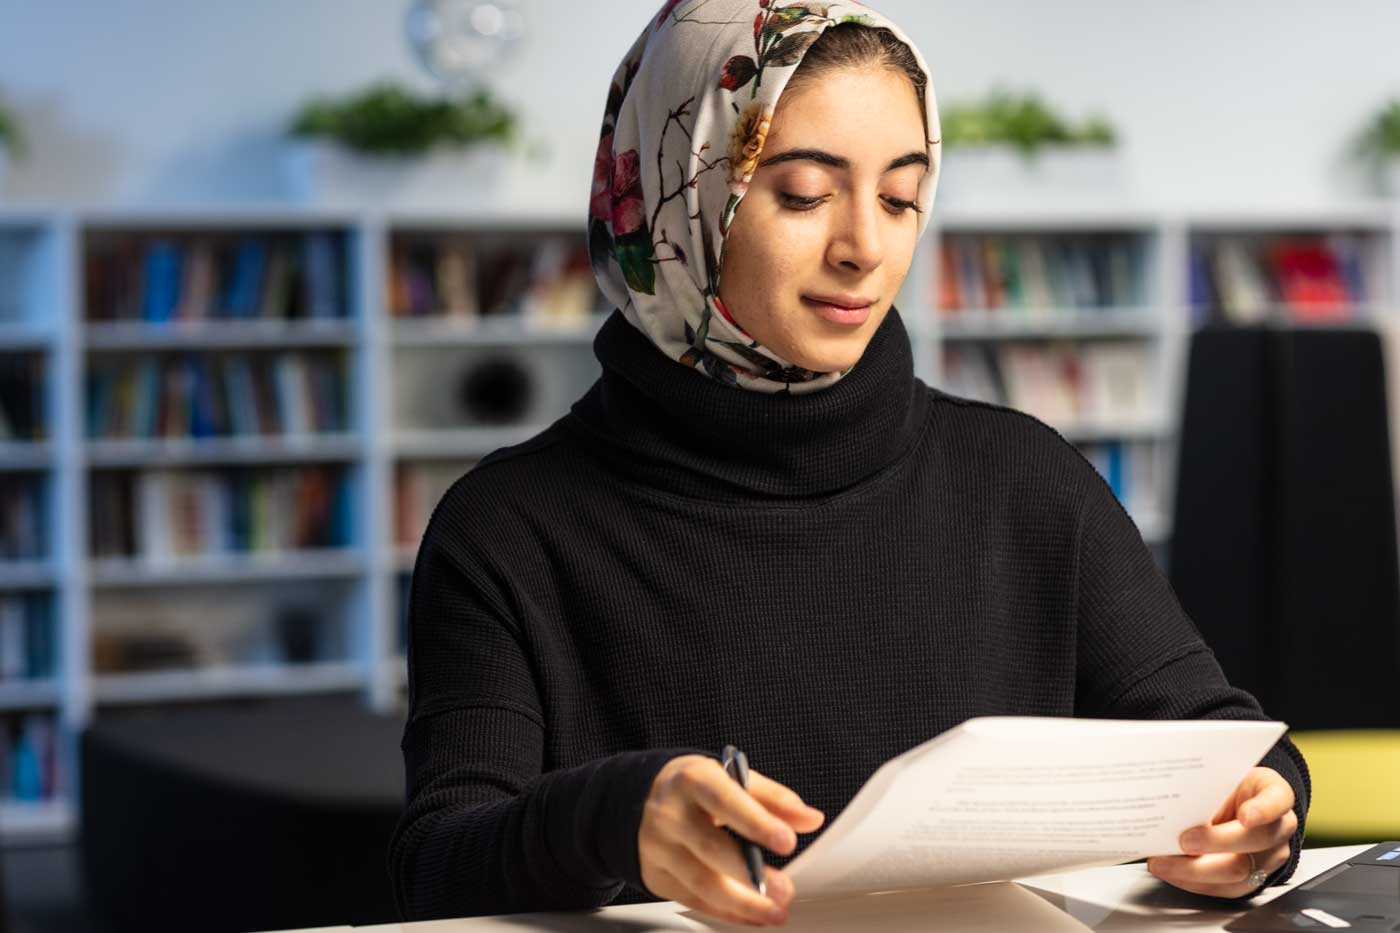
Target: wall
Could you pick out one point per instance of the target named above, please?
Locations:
(1245, 102)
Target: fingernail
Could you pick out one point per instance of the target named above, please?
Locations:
(1191, 841)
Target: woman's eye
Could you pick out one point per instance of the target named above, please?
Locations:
(800, 203)
(796, 202)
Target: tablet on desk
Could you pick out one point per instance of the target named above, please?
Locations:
(1361, 894)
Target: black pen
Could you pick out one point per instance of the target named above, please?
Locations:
(736, 765)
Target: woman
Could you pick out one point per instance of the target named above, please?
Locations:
(759, 527)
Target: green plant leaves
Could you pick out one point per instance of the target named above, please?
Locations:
(1024, 122)
(387, 119)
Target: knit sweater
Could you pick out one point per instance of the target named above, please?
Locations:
(824, 580)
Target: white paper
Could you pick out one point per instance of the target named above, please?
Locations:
(973, 908)
(1004, 797)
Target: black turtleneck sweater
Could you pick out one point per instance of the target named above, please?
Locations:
(825, 580)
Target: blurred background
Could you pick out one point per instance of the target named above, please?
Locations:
(273, 275)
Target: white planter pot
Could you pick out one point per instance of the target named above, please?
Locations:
(325, 172)
(995, 173)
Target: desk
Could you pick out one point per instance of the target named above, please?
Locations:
(1116, 898)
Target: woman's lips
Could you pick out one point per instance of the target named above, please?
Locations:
(839, 314)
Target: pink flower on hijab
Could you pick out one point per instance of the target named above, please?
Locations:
(617, 188)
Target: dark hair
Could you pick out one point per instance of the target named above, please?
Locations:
(853, 45)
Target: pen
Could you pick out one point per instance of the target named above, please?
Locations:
(736, 765)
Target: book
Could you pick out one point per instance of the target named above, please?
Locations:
(1003, 797)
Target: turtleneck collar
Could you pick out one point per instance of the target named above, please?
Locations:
(670, 426)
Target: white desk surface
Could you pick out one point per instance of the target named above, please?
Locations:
(1116, 898)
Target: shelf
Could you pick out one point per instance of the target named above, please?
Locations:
(445, 330)
(28, 694)
(460, 443)
(1014, 323)
(275, 335)
(267, 566)
(1085, 431)
(1361, 316)
(26, 574)
(227, 681)
(35, 821)
(23, 335)
(253, 448)
(25, 455)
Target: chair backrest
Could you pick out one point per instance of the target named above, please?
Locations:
(1283, 548)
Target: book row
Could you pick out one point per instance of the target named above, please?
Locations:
(1061, 383)
(160, 279)
(462, 278)
(1129, 469)
(418, 487)
(988, 272)
(1242, 280)
(22, 524)
(199, 395)
(26, 636)
(29, 757)
(22, 396)
(164, 514)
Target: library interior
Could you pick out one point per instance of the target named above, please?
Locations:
(276, 278)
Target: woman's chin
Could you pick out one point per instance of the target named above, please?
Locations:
(823, 357)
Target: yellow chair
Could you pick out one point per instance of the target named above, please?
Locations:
(1355, 784)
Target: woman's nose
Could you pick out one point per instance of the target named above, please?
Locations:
(856, 244)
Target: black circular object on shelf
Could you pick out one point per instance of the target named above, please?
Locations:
(496, 390)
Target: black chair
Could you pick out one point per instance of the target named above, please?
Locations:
(269, 814)
(1283, 551)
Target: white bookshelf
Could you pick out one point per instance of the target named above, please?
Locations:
(393, 364)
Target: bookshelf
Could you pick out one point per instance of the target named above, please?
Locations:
(438, 337)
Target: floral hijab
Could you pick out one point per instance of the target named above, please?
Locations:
(686, 118)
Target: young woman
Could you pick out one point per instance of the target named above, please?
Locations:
(758, 527)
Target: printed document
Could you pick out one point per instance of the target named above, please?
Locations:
(1004, 797)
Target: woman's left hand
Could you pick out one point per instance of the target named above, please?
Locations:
(1258, 821)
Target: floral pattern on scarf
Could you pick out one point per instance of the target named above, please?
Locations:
(686, 119)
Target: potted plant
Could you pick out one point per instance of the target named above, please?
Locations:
(1009, 144)
(12, 141)
(1379, 146)
(387, 143)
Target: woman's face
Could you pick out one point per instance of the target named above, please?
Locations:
(826, 216)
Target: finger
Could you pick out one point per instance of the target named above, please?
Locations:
(714, 846)
(728, 804)
(728, 893)
(1272, 798)
(1213, 869)
(785, 801)
(698, 900)
(1216, 868)
(1215, 890)
(1232, 836)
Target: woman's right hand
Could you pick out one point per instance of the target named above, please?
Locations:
(687, 856)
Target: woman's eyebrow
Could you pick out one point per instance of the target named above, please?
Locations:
(835, 161)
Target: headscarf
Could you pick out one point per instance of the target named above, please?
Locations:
(686, 118)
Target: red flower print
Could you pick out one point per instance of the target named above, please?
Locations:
(617, 188)
(600, 201)
(628, 209)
